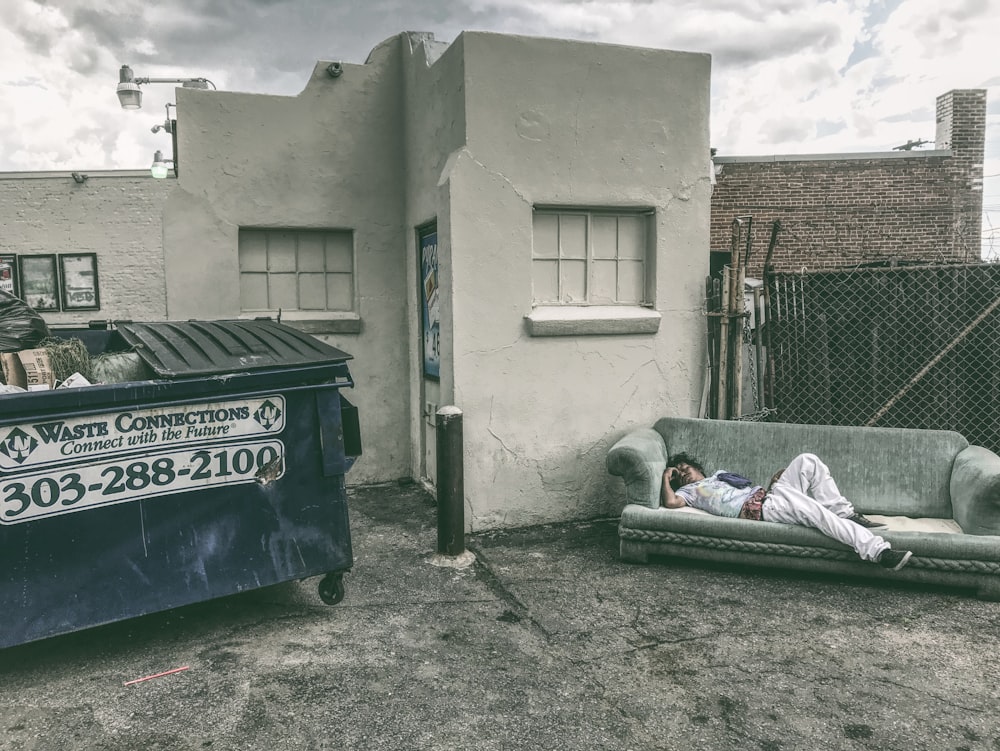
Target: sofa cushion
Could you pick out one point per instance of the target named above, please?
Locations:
(891, 471)
(740, 534)
(892, 523)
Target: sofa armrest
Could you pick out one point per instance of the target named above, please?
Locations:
(639, 458)
(975, 491)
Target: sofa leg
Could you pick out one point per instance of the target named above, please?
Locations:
(989, 591)
(633, 552)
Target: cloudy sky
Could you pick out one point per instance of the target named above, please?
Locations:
(788, 76)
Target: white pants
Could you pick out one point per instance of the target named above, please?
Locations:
(806, 495)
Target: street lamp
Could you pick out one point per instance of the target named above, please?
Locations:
(130, 95)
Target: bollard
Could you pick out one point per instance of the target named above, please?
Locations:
(450, 482)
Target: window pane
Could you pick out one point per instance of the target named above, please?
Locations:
(545, 236)
(280, 252)
(604, 282)
(545, 280)
(572, 236)
(253, 292)
(605, 235)
(573, 275)
(311, 255)
(283, 290)
(339, 251)
(339, 292)
(253, 251)
(632, 237)
(631, 281)
(312, 291)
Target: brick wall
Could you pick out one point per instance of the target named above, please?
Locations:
(117, 215)
(848, 209)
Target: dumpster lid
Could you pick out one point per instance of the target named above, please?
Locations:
(176, 349)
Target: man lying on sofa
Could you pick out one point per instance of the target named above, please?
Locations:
(786, 501)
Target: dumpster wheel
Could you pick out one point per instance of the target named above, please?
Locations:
(331, 588)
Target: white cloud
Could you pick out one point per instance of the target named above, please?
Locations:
(789, 76)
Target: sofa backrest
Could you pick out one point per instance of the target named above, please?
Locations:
(894, 471)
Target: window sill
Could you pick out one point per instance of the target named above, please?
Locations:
(580, 320)
(313, 323)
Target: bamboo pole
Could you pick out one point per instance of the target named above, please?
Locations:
(737, 305)
(768, 307)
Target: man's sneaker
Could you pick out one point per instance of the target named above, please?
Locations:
(865, 522)
(894, 559)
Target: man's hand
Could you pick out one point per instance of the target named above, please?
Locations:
(667, 497)
(775, 477)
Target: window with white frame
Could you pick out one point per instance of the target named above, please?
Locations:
(296, 270)
(590, 257)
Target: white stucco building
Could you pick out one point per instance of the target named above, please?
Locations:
(546, 201)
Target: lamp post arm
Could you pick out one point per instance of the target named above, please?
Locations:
(173, 80)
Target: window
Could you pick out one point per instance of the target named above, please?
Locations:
(296, 270)
(590, 257)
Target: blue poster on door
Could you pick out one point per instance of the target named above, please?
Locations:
(430, 305)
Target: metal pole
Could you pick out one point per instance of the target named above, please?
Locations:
(721, 409)
(758, 345)
(450, 482)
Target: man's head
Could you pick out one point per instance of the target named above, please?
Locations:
(688, 469)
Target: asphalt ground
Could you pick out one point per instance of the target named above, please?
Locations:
(547, 641)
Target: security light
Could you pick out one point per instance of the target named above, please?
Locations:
(159, 168)
(130, 95)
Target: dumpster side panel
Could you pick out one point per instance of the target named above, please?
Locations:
(266, 511)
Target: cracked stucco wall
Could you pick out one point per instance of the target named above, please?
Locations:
(572, 124)
(329, 157)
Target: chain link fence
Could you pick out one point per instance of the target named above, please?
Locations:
(895, 346)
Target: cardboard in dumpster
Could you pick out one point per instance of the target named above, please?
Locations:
(13, 373)
(27, 368)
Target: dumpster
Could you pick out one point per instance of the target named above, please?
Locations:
(221, 472)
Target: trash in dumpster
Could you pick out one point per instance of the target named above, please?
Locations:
(20, 326)
(27, 368)
(55, 360)
(222, 472)
(119, 367)
(75, 381)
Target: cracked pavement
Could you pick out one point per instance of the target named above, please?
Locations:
(547, 642)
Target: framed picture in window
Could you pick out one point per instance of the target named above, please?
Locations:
(78, 274)
(39, 282)
(8, 274)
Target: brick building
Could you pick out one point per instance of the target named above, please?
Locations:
(115, 214)
(847, 209)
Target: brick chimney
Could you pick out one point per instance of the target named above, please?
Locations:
(961, 121)
(961, 127)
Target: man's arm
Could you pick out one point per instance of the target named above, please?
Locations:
(667, 496)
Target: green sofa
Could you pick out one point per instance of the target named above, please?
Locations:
(939, 496)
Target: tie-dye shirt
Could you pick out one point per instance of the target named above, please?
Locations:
(716, 496)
